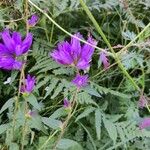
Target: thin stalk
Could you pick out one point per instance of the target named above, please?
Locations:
(66, 120)
(51, 35)
(49, 138)
(108, 44)
(22, 76)
(23, 79)
(24, 126)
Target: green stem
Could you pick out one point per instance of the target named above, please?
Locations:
(51, 35)
(108, 44)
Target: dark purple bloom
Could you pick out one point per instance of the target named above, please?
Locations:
(33, 20)
(145, 123)
(142, 101)
(103, 58)
(74, 53)
(12, 47)
(80, 80)
(66, 103)
(29, 84)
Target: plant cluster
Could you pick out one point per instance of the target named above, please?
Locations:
(74, 74)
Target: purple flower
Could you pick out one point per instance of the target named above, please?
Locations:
(74, 53)
(12, 47)
(33, 20)
(66, 103)
(28, 85)
(103, 58)
(80, 80)
(145, 123)
(142, 101)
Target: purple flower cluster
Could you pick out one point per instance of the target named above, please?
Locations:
(33, 20)
(12, 48)
(73, 53)
(28, 85)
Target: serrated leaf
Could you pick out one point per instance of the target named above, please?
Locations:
(85, 98)
(33, 101)
(111, 129)
(58, 113)
(8, 104)
(52, 123)
(36, 123)
(51, 87)
(57, 90)
(86, 112)
(91, 91)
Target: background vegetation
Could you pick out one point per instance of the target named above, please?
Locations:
(107, 115)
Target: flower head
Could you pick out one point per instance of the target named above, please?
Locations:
(66, 103)
(74, 53)
(103, 58)
(145, 123)
(12, 47)
(29, 84)
(80, 80)
(33, 20)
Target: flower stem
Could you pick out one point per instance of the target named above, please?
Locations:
(67, 120)
(47, 140)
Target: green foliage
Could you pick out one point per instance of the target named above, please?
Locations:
(105, 116)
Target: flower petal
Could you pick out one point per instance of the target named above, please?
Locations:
(76, 46)
(26, 44)
(87, 50)
(8, 41)
(16, 36)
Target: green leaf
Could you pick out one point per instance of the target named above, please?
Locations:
(51, 87)
(67, 144)
(107, 90)
(8, 104)
(111, 129)
(36, 123)
(85, 98)
(86, 112)
(33, 101)
(14, 146)
(98, 122)
(3, 128)
(57, 90)
(91, 91)
(58, 113)
(52, 123)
